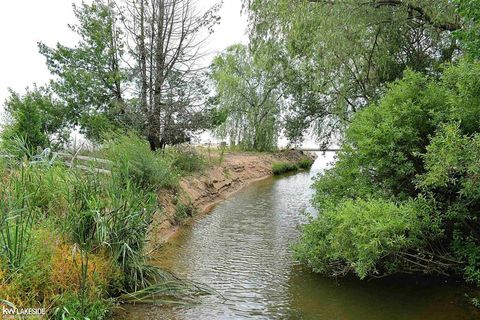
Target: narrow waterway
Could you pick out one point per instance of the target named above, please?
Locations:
(242, 250)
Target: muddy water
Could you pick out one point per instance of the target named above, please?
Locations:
(242, 249)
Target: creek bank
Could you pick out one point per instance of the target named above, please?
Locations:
(199, 193)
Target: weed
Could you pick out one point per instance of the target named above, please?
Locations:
(187, 159)
(134, 161)
(183, 212)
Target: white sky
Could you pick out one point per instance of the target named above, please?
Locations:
(23, 23)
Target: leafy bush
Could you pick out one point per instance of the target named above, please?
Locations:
(36, 118)
(283, 167)
(134, 161)
(420, 141)
(357, 235)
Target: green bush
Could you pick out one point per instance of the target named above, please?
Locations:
(357, 235)
(420, 141)
(283, 167)
(134, 161)
(34, 119)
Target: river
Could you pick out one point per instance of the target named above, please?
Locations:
(242, 250)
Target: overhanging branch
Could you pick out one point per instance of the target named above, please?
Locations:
(421, 13)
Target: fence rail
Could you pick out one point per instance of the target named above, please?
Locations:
(90, 164)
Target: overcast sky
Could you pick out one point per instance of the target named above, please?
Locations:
(23, 23)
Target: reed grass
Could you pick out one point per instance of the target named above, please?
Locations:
(98, 215)
(16, 219)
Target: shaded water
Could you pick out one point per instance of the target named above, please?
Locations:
(242, 249)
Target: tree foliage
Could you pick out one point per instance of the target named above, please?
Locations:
(166, 38)
(248, 100)
(336, 57)
(34, 120)
(89, 76)
(136, 67)
(470, 34)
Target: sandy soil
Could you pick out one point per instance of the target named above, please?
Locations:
(203, 191)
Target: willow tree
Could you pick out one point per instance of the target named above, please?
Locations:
(248, 99)
(337, 56)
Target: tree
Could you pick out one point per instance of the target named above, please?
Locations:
(36, 119)
(336, 57)
(166, 37)
(248, 98)
(136, 67)
(470, 33)
(89, 77)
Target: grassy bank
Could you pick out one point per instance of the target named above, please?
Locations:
(285, 167)
(72, 241)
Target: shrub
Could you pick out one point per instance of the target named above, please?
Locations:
(283, 167)
(34, 118)
(420, 141)
(364, 235)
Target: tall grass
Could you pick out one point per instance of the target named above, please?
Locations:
(185, 158)
(284, 167)
(105, 218)
(134, 162)
(16, 219)
(305, 163)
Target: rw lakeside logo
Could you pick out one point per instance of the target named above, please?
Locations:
(9, 311)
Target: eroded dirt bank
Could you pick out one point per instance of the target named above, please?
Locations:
(199, 193)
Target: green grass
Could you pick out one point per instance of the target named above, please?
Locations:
(134, 162)
(183, 211)
(186, 159)
(305, 163)
(283, 167)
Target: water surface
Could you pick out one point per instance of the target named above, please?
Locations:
(242, 250)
